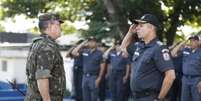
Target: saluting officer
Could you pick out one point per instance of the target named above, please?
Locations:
(191, 80)
(77, 73)
(152, 71)
(119, 72)
(93, 68)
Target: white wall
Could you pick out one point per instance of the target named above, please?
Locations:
(19, 70)
(8, 75)
(16, 61)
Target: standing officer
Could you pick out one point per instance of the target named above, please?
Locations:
(191, 80)
(44, 68)
(77, 73)
(119, 72)
(152, 70)
(93, 68)
(103, 83)
(175, 91)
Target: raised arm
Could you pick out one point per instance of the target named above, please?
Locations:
(129, 36)
(176, 49)
(69, 52)
(105, 55)
(75, 51)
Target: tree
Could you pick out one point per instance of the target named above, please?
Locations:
(70, 10)
(111, 18)
(175, 14)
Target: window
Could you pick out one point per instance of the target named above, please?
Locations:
(4, 66)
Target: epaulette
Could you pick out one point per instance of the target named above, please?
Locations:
(37, 39)
(159, 43)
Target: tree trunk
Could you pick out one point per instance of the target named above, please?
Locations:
(117, 17)
(170, 34)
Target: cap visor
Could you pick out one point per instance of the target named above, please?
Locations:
(140, 21)
(193, 38)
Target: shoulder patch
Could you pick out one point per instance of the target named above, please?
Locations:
(166, 55)
(159, 43)
(165, 50)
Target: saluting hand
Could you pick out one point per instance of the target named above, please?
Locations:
(85, 43)
(132, 28)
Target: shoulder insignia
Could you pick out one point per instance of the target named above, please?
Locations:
(166, 55)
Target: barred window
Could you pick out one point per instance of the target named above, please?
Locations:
(4, 66)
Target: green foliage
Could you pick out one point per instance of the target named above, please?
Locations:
(102, 24)
(68, 29)
(1, 28)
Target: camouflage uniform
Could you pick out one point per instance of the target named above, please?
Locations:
(45, 61)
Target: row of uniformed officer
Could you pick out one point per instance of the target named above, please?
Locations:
(94, 68)
(152, 70)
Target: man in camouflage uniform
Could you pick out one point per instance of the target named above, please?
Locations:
(44, 68)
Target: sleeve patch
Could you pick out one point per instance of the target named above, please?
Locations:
(166, 55)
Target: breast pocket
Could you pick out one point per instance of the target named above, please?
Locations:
(147, 58)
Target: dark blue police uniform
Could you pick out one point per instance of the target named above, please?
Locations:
(175, 91)
(91, 68)
(77, 77)
(191, 74)
(119, 89)
(149, 61)
(102, 89)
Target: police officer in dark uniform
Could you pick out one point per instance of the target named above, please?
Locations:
(93, 68)
(175, 91)
(191, 80)
(44, 68)
(103, 83)
(152, 71)
(119, 72)
(77, 73)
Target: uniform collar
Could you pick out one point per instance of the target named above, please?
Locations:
(47, 36)
(92, 50)
(50, 39)
(152, 42)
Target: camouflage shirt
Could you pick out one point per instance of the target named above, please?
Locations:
(44, 61)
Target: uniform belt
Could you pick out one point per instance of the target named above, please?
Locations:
(191, 76)
(142, 94)
(90, 74)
